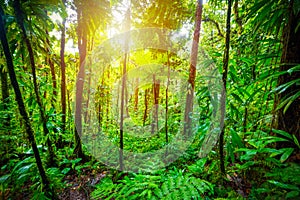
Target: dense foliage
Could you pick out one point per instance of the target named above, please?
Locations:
(118, 100)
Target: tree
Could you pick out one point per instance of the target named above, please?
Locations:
(20, 16)
(283, 22)
(288, 104)
(63, 70)
(123, 87)
(223, 95)
(22, 109)
(155, 89)
(192, 70)
(88, 21)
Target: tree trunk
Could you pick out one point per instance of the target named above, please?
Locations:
(192, 71)
(167, 98)
(63, 77)
(52, 70)
(87, 111)
(238, 19)
(156, 86)
(20, 20)
(108, 98)
(30, 134)
(289, 120)
(82, 48)
(146, 106)
(122, 112)
(123, 88)
(136, 95)
(223, 94)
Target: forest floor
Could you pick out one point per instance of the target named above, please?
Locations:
(80, 187)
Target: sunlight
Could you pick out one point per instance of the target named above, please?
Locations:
(70, 45)
(149, 104)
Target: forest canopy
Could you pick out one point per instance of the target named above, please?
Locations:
(150, 99)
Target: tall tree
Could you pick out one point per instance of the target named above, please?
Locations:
(223, 94)
(30, 134)
(90, 15)
(50, 62)
(282, 18)
(123, 87)
(63, 69)
(20, 16)
(192, 70)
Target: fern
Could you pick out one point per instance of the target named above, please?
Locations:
(187, 187)
(172, 186)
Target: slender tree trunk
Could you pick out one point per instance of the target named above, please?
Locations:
(20, 20)
(108, 98)
(136, 95)
(223, 94)
(69, 110)
(22, 109)
(192, 71)
(122, 112)
(289, 120)
(99, 103)
(126, 100)
(146, 107)
(156, 86)
(167, 98)
(63, 77)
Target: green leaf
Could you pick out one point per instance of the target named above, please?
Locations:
(269, 150)
(4, 178)
(246, 165)
(158, 192)
(281, 132)
(296, 141)
(272, 139)
(297, 67)
(292, 194)
(277, 152)
(286, 154)
(236, 138)
(65, 170)
(285, 86)
(283, 185)
(249, 154)
(236, 97)
(25, 168)
(287, 102)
